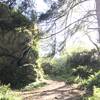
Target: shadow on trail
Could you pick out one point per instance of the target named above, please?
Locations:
(54, 92)
(63, 93)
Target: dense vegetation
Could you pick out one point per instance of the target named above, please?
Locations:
(18, 48)
(81, 68)
(20, 65)
(7, 94)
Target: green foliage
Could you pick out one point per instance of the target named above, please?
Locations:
(7, 94)
(19, 20)
(79, 64)
(93, 80)
(11, 18)
(18, 48)
(4, 11)
(34, 85)
(82, 71)
(56, 68)
(4, 89)
(96, 94)
(47, 68)
(79, 67)
(18, 59)
(89, 58)
(85, 66)
(24, 75)
(19, 76)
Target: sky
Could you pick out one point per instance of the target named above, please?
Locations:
(41, 6)
(78, 38)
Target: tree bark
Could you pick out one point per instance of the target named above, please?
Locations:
(98, 16)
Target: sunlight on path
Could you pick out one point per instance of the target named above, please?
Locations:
(55, 90)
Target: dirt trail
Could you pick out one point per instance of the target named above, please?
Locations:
(53, 91)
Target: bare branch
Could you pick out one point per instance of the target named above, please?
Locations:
(86, 16)
(93, 43)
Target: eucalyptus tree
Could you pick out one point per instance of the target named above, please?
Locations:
(98, 15)
(59, 19)
(26, 7)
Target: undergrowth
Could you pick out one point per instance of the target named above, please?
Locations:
(33, 86)
(7, 94)
(76, 67)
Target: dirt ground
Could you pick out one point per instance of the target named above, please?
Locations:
(54, 90)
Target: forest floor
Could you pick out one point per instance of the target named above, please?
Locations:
(54, 90)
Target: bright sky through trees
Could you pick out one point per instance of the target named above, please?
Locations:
(41, 6)
(78, 38)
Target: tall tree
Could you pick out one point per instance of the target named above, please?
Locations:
(25, 7)
(60, 16)
(18, 53)
(98, 15)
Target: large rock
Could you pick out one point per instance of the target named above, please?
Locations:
(15, 52)
(18, 55)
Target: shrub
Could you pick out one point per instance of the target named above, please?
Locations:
(34, 85)
(18, 45)
(82, 71)
(94, 80)
(47, 68)
(11, 18)
(89, 58)
(96, 94)
(7, 94)
(88, 84)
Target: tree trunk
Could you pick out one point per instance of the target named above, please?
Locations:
(98, 16)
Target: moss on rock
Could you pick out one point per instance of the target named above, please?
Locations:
(18, 54)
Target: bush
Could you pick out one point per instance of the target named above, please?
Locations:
(94, 80)
(34, 85)
(18, 52)
(11, 18)
(56, 69)
(89, 58)
(82, 71)
(7, 94)
(88, 84)
(47, 68)
(96, 94)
